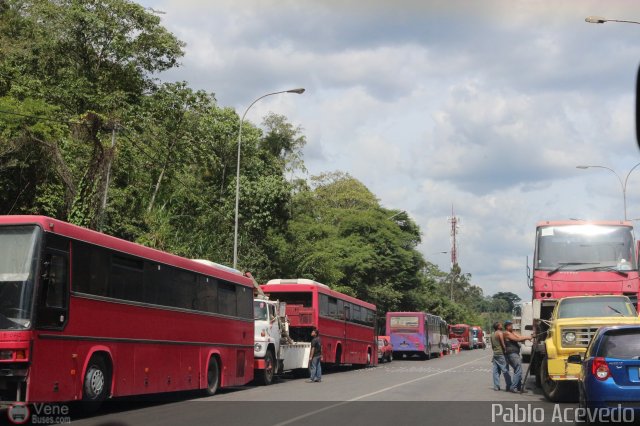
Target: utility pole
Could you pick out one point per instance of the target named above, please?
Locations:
(453, 220)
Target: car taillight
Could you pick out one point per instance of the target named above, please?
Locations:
(600, 369)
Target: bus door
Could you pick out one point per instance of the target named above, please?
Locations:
(347, 345)
(51, 356)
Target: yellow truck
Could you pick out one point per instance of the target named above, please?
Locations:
(573, 323)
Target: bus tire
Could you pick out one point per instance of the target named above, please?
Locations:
(96, 385)
(265, 377)
(213, 376)
(336, 363)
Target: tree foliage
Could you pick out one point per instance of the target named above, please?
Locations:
(88, 134)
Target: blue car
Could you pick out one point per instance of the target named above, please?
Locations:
(609, 383)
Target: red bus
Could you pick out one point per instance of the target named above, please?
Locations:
(86, 316)
(462, 332)
(346, 324)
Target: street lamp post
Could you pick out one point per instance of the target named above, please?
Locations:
(623, 184)
(601, 20)
(235, 231)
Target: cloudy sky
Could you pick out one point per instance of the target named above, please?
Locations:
(486, 106)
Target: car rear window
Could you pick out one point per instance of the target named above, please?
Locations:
(621, 344)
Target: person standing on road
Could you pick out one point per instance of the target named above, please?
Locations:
(499, 362)
(315, 357)
(512, 344)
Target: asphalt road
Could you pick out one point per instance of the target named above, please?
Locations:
(455, 389)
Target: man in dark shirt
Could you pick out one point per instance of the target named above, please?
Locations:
(315, 357)
(512, 354)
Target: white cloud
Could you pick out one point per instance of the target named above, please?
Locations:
(487, 106)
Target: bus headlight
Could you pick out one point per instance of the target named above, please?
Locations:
(257, 347)
(569, 337)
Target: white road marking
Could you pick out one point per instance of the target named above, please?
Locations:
(358, 398)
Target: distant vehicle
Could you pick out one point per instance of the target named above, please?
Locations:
(346, 324)
(478, 337)
(462, 332)
(444, 337)
(609, 374)
(385, 349)
(415, 333)
(274, 352)
(455, 344)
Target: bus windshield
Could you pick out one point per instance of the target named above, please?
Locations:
(17, 270)
(585, 247)
(459, 330)
(404, 322)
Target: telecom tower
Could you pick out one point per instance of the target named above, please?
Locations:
(453, 220)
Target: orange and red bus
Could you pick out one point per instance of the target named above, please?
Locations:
(346, 324)
(462, 332)
(86, 316)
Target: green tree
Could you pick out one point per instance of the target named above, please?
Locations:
(86, 62)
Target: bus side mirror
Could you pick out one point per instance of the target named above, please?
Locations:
(528, 327)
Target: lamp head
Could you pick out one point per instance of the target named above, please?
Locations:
(595, 20)
(297, 91)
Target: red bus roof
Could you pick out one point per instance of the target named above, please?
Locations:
(583, 222)
(302, 285)
(89, 236)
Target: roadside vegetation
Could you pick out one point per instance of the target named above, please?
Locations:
(90, 135)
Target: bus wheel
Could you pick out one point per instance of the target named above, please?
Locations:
(338, 356)
(213, 376)
(97, 381)
(266, 376)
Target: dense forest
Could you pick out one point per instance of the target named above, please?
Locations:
(90, 134)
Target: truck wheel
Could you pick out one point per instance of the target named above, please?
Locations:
(213, 376)
(554, 391)
(265, 377)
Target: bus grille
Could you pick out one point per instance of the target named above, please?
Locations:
(583, 336)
